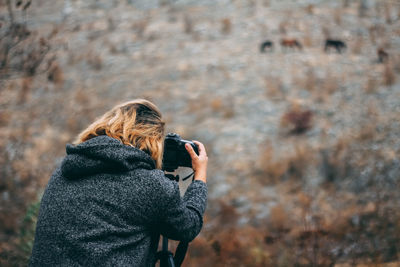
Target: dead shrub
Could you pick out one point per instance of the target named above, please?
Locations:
(111, 24)
(363, 8)
(25, 89)
(396, 64)
(301, 157)
(310, 9)
(140, 26)
(278, 219)
(95, 61)
(326, 32)
(389, 77)
(273, 168)
(239, 247)
(200, 252)
(5, 118)
(223, 106)
(297, 120)
(188, 24)
(226, 26)
(21, 51)
(55, 74)
(335, 160)
(372, 34)
(228, 216)
(283, 27)
(388, 9)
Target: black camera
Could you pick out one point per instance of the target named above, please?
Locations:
(175, 153)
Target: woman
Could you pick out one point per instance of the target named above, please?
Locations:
(108, 202)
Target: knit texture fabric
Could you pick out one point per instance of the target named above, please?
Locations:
(106, 205)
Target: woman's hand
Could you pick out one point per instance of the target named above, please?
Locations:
(199, 162)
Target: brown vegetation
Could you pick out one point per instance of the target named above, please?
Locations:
(226, 26)
(297, 120)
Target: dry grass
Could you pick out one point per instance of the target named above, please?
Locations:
(307, 39)
(310, 82)
(371, 85)
(266, 3)
(331, 83)
(274, 88)
(320, 88)
(337, 15)
(273, 167)
(357, 45)
(283, 27)
(326, 32)
(387, 6)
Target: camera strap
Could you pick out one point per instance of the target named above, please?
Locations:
(180, 253)
(187, 177)
(166, 257)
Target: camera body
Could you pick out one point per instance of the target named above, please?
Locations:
(175, 153)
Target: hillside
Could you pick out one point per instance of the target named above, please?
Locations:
(303, 143)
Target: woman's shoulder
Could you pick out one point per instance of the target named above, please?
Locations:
(156, 180)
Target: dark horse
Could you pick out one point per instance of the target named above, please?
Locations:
(266, 44)
(291, 43)
(337, 44)
(383, 56)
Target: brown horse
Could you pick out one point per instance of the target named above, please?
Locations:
(291, 43)
(383, 56)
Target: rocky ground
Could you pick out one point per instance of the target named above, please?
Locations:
(303, 144)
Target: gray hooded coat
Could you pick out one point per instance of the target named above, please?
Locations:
(106, 205)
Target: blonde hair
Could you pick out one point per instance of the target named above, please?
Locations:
(136, 123)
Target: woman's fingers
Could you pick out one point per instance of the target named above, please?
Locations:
(190, 150)
(202, 149)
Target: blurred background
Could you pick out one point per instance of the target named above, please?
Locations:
(297, 102)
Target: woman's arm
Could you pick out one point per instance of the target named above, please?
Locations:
(183, 217)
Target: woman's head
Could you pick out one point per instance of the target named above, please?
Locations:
(135, 123)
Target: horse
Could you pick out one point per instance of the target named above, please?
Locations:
(291, 43)
(337, 44)
(266, 44)
(383, 56)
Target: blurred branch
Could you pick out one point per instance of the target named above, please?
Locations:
(10, 11)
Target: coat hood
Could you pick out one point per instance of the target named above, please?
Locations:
(103, 154)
